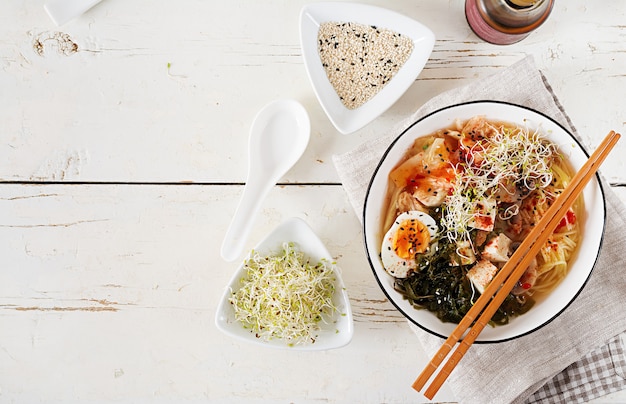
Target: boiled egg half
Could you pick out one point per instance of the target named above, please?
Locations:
(409, 235)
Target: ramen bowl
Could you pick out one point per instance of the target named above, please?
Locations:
(591, 219)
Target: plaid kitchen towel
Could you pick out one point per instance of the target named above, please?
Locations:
(596, 374)
(579, 355)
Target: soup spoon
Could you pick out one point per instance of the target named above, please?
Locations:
(279, 135)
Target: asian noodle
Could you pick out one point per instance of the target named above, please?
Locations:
(485, 184)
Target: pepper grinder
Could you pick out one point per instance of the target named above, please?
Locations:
(504, 22)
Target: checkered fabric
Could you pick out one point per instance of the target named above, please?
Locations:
(601, 372)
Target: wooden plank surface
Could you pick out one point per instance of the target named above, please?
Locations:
(123, 143)
(141, 92)
(115, 289)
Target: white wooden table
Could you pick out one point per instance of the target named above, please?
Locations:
(123, 144)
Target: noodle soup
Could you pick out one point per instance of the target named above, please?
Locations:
(479, 186)
(455, 194)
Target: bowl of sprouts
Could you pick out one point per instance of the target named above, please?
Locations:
(288, 293)
(452, 198)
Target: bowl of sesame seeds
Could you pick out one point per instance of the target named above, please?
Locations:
(360, 59)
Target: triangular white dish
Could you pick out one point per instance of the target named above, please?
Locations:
(349, 120)
(335, 334)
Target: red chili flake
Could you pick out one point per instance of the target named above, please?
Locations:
(570, 218)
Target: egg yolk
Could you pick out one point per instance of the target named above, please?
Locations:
(412, 237)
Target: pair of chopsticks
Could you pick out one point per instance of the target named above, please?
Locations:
(509, 275)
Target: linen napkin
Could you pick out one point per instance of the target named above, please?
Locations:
(579, 355)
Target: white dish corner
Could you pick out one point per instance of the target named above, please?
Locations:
(333, 335)
(346, 120)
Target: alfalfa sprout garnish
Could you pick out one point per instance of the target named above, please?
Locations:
(285, 296)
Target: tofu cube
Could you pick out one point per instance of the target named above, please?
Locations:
(464, 254)
(484, 215)
(481, 274)
(497, 249)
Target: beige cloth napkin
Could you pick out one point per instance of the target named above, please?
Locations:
(514, 370)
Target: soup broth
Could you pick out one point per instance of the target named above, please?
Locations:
(459, 203)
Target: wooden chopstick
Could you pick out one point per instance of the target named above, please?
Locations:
(510, 273)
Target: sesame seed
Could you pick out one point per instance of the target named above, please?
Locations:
(360, 60)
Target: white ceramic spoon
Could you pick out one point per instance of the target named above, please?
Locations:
(278, 137)
(61, 11)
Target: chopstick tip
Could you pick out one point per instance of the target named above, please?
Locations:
(417, 386)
